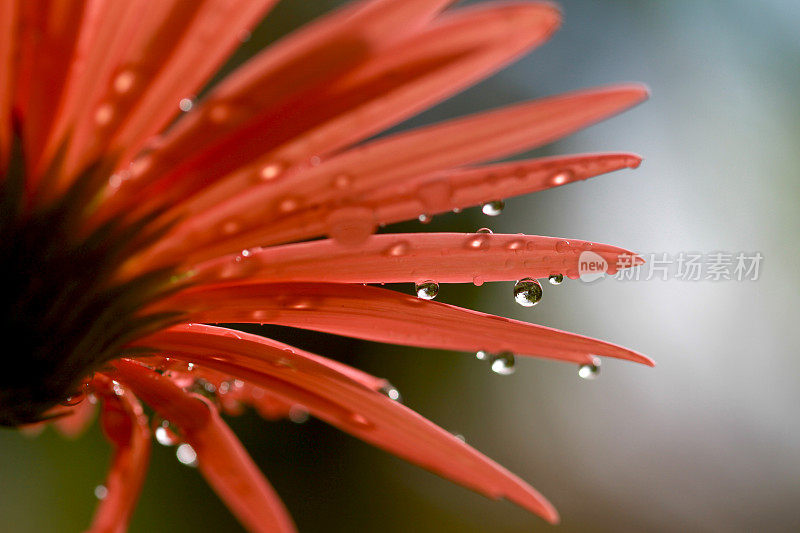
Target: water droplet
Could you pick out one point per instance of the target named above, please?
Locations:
(124, 81)
(482, 355)
(103, 114)
(117, 388)
(460, 437)
(503, 363)
(360, 421)
(427, 290)
(391, 392)
(527, 292)
(560, 178)
(298, 414)
(100, 492)
(516, 244)
(351, 225)
(456, 210)
(398, 249)
(342, 181)
(230, 227)
(479, 241)
(477, 280)
(556, 279)
(425, 219)
(164, 433)
(287, 205)
(73, 399)
(493, 208)
(186, 104)
(186, 455)
(270, 172)
(590, 370)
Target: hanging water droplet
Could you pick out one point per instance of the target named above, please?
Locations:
(527, 292)
(482, 355)
(100, 492)
(391, 392)
(556, 279)
(73, 399)
(186, 455)
(503, 363)
(427, 290)
(186, 104)
(424, 218)
(493, 208)
(590, 370)
(456, 210)
(164, 433)
(298, 414)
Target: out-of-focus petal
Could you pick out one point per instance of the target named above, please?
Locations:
(77, 421)
(125, 425)
(134, 79)
(458, 49)
(387, 316)
(8, 27)
(333, 397)
(221, 458)
(48, 35)
(393, 159)
(413, 257)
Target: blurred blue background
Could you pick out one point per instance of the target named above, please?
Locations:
(709, 440)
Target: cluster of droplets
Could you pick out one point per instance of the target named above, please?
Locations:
(503, 363)
(167, 435)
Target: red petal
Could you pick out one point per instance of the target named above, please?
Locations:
(8, 17)
(221, 458)
(240, 114)
(386, 316)
(413, 257)
(172, 51)
(48, 34)
(333, 397)
(394, 159)
(125, 425)
(459, 49)
(73, 425)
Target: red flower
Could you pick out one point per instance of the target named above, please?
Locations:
(126, 226)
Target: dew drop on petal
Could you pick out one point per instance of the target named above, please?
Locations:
(186, 455)
(485, 231)
(427, 290)
(164, 433)
(527, 292)
(479, 241)
(270, 172)
(100, 492)
(398, 249)
(298, 414)
(556, 279)
(482, 355)
(560, 178)
(425, 218)
(562, 247)
(460, 437)
(103, 114)
(186, 104)
(124, 81)
(503, 363)
(493, 208)
(590, 371)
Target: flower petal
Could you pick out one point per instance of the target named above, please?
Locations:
(458, 49)
(244, 108)
(393, 159)
(77, 421)
(48, 34)
(387, 316)
(172, 51)
(221, 458)
(8, 26)
(333, 397)
(125, 425)
(414, 257)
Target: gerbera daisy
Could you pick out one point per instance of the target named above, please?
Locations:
(134, 215)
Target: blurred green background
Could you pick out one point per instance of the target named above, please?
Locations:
(709, 440)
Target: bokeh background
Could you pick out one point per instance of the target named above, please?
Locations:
(709, 440)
